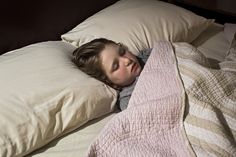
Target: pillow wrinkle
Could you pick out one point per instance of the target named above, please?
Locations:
(139, 24)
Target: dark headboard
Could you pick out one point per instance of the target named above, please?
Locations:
(24, 22)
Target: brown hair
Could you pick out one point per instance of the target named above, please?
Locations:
(87, 58)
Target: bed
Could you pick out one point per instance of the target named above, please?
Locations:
(49, 108)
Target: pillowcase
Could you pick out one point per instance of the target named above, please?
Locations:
(138, 24)
(44, 95)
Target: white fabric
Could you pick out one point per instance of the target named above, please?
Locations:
(43, 96)
(138, 24)
(77, 143)
(212, 42)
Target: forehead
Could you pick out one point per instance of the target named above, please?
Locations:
(108, 54)
(109, 51)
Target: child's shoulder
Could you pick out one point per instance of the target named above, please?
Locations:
(143, 55)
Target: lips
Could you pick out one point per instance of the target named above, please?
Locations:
(134, 67)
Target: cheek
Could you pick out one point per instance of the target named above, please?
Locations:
(122, 73)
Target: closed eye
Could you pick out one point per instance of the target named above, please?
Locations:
(115, 66)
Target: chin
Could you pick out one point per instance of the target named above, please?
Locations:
(129, 82)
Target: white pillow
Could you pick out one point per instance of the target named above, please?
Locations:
(138, 24)
(43, 96)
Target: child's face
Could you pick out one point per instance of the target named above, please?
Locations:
(120, 65)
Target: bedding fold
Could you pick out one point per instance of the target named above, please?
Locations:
(152, 125)
(182, 105)
(210, 115)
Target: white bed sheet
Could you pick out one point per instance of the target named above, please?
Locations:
(211, 42)
(76, 143)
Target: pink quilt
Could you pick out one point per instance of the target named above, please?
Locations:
(152, 125)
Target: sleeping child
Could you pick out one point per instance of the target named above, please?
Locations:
(208, 100)
(113, 64)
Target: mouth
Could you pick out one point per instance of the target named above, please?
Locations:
(134, 67)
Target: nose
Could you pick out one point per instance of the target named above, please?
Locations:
(127, 61)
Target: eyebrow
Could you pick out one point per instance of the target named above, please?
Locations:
(121, 47)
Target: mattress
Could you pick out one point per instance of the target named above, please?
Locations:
(212, 43)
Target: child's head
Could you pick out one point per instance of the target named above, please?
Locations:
(107, 61)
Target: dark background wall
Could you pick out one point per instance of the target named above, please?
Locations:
(23, 22)
(224, 11)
